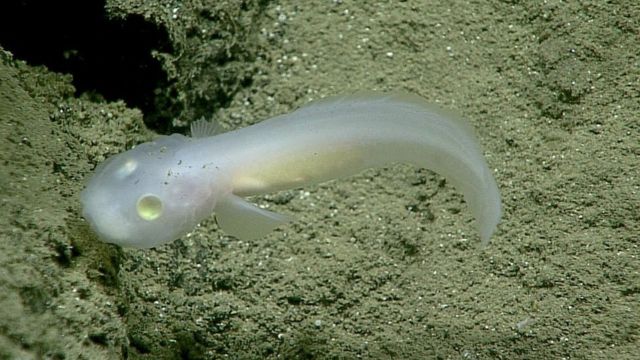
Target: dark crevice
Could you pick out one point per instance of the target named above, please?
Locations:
(109, 58)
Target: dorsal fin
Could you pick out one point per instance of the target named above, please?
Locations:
(203, 128)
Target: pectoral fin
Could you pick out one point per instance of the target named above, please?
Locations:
(240, 218)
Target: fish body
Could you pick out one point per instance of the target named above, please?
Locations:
(158, 191)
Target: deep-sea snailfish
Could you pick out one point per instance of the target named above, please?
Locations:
(161, 190)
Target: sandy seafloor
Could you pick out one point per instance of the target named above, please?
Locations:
(383, 265)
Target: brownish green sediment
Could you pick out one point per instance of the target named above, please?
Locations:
(382, 265)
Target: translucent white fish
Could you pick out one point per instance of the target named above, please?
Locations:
(160, 190)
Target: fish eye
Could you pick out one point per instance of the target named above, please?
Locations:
(149, 207)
